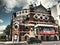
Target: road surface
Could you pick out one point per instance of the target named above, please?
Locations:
(48, 43)
(43, 43)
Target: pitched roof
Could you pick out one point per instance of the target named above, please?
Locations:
(41, 9)
(40, 6)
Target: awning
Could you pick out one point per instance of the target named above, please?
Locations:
(46, 25)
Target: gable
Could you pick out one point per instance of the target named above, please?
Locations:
(40, 9)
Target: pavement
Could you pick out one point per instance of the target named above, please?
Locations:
(7, 42)
(25, 43)
(13, 43)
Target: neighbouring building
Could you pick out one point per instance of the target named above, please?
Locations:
(55, 12)
(34, 21)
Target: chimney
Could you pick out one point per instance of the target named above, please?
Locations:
(49, 10)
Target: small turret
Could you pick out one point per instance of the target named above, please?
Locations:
(14, 14)
(31, 8)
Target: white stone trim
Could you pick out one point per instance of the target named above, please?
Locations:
(45, 25)
(29, 24)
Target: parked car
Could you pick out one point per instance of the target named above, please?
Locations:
(33, 40)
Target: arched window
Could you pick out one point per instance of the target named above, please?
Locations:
(35, 17)
(20, 12)
(26, 28)
(25, 11)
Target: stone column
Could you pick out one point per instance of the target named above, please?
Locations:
(44, 37)
(18, 38)
(39, 37)
(22, 38)
(57, 37)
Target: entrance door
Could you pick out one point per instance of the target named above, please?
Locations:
(26, 37)
(47, 38)
(16, 38)
(42, 37)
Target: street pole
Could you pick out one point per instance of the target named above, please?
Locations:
(13, 41)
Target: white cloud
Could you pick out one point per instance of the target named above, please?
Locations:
(1, 21)
(2, 27)
(49, 3)
(46, 3)
(30, 1)
(11, 4)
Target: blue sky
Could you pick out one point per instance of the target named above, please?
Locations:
(7, 7)
(6, 17)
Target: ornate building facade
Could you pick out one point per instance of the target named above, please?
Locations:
(34, 22)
